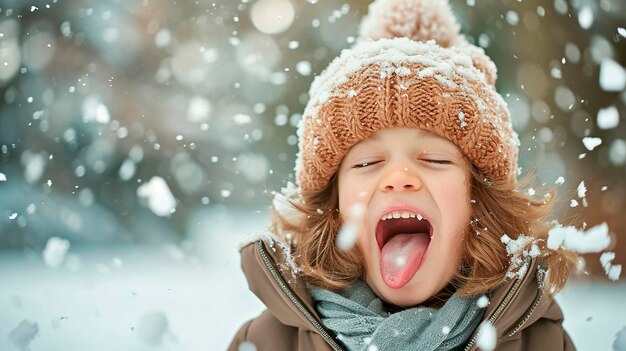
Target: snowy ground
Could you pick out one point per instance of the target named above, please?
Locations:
(166, 298)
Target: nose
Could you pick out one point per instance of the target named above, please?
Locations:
(400, 179)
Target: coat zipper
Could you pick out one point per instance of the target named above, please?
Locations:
(540, 278)
(295, 299)
(500, 308)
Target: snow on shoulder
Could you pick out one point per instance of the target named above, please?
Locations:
(275, 244)
(521, 254)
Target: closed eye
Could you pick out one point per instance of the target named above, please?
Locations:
(440, 162)
(365, 164)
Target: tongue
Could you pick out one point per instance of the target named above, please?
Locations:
(401, 257)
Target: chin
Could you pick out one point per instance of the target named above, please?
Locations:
(409, 295)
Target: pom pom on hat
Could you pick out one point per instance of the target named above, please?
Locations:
(420, 20)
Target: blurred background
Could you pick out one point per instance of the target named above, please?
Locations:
(140, 141)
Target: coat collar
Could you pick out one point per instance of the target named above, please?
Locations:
(267, 286)
(517, 303)
(514, 305)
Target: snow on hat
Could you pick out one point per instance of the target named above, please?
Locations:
(409, 68)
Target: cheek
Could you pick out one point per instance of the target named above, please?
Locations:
(454, 198)
(347, 200)
(454, 202)
(350, 195)
(352, 210)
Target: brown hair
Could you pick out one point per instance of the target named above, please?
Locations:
(502, 208)
(498, 208)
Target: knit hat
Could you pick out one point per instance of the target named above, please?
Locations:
(411, 68)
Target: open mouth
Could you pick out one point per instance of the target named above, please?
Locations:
(402, 243)
(388, 228)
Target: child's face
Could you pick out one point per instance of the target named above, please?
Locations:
(407, 171)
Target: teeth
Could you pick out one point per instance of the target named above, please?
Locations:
(403, 214)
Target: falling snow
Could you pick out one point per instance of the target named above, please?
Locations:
(55, 251)
(581, 190)
(591, 143)
(594, 239)
(612, 76)
(487, 335)
(160, 199)
(199, 109)
(347, 236)
(483, 301)
(163, 38)
(304, 68)
(585, 17)
(95, 111)
(608, 118)
(242, 119)
(357, 211)
(612, 271)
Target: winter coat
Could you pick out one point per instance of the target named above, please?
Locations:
(524, 317)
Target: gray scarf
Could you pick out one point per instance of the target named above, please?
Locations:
(359, 319)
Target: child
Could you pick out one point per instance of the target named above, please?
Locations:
(408, 229)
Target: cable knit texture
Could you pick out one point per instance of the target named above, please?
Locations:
(409, 68)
